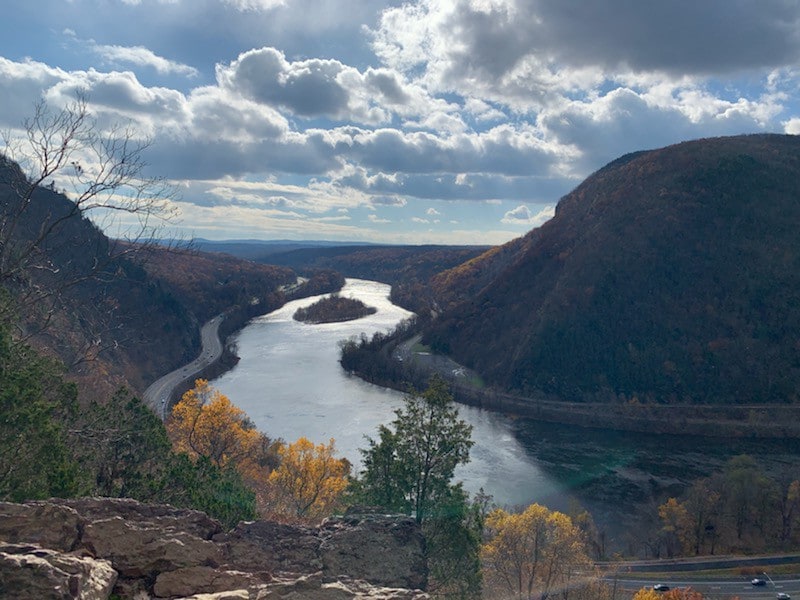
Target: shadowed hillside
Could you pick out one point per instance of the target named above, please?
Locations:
(114, 313)
(671, 275)
(80, 297)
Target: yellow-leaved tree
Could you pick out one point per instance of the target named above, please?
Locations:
(647, 594)
(676, 594)
(531, 554)
(309, 483)
(676, 526)
(205, 423)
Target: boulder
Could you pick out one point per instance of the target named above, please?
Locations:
(41, 523)
(385, 550)
(143, 550)
(162, 516)
(314, 587)
(35, 573)
(273, 547)
(205, 580)
(232, 595)
(92, 547)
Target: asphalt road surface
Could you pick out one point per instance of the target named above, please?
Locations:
(158, 395)
(718, 589)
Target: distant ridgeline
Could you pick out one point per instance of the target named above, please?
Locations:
(334, 309)
(669, 276)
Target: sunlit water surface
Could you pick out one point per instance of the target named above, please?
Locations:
(290, 383)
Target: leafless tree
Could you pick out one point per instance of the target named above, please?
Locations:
(61, 153)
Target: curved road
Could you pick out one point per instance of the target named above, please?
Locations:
(157, 396)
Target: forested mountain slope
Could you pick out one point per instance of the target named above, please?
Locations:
(80, 297)
(670, 275)
(114, 313)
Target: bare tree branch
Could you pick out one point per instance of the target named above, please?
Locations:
(63, 179)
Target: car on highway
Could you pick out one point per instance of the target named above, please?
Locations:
(758, 581)
(783, 596)
(661, 587)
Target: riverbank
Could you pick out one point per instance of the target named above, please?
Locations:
(217, 353)
(403, 362)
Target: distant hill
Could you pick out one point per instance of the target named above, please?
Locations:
(408, 269)
(670, 275)
(209, 283)
(261, 249)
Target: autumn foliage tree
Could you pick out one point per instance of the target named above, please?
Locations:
(298, 482)
(738, 509)
(676, 526)
(206, 424)
(309, 483)
(531, 554)
(676, 594)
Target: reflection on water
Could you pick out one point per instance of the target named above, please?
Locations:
(290, 383)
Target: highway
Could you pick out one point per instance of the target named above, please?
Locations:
(157, 396)
(717, 589)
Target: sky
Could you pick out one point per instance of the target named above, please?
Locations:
(435, 121)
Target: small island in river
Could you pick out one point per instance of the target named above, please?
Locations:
(334, 309)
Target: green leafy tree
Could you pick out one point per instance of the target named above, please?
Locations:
(790, 507)
(748, 495)
(410, 469)
(202, 485)
(35, 460)
(124, 445)
(50, 447)
(453, 536)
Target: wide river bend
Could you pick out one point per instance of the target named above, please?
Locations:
(290, 383)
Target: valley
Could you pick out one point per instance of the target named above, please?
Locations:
(638, 379)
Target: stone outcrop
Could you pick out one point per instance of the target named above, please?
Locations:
(375, 548)
(91, 548)
(33, 572)
(274, 547)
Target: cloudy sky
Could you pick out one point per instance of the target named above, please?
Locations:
(435, 121)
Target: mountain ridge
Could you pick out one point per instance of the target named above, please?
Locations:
(668, 275)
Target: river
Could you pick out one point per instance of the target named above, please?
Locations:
(289, 382)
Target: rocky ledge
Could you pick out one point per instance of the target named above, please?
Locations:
(100, 548)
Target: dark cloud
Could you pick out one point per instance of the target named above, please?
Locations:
(473, 187)
(682, 36)
(624, 121)
(388, 84)
(529, 43)
(121, 91)
(501, 151)
(207, 158)
(388, 201)
(308, 88)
